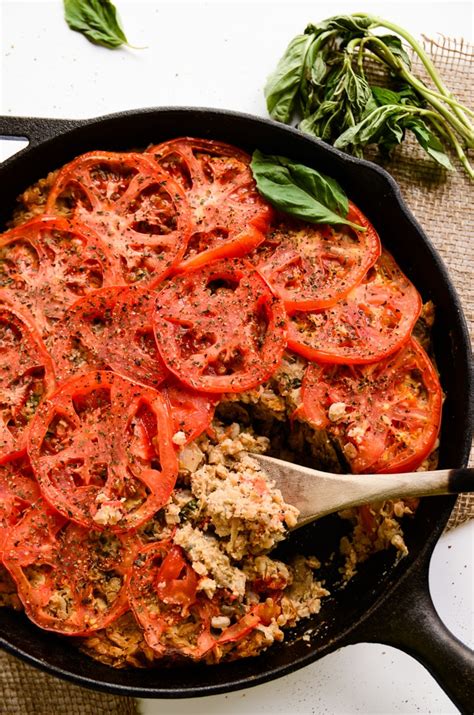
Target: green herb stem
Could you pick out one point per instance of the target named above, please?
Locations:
(457, 107)
(429, 66)
(359, 45)
(446, 131)
(465, 129)
(452, 101)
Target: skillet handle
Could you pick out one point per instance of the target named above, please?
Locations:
(36, 129)
(410, 622)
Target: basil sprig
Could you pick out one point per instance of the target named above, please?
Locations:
(97, 20)
(300, 191)
(321, 81)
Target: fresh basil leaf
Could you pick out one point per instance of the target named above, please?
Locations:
(405, 95)
(430, 142)
(369, 107)
(314, 75)
(97, 20)
(395, 45)
(343, 102)
(299, 190)
(392, 133)
(346, 23)
(282, 86)
(381, 123)
(408, 95)
(351, 137)
(395, 128)
(318, 71)
(335, 77)
(320, 123)
(328, 190)
(357, 90)
(382, 95)
(386, 126)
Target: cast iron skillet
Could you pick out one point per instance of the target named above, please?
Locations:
(387, 602)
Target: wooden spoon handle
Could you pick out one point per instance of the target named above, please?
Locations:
(461, 480)
(420, 484)
(343, 491)
(317, 493)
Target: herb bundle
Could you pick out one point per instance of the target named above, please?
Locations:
(322, 80)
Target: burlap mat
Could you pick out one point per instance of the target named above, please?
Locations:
(27, 691)
(442, 203)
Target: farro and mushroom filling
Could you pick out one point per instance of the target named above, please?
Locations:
(160, 323)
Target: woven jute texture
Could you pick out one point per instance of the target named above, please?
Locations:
(27, 691)
(442, 202)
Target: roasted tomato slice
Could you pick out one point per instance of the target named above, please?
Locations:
(70, 579)
(229, 217)
(177, 618)
(109, 329)
(312, 266)
(76, 343)
(128, 343)
(163, 587)
(26, 376)
(50, 262)
(18, 491)
(102, 452)
(191, 411)
(385, 415)
(373, 321)
(138, 210)
(220, 329)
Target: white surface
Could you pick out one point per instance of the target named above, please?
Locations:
(219, 54)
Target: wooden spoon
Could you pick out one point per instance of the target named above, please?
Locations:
(317, 493)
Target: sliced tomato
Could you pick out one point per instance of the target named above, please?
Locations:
(49, 262)
(312, 266)
(18, 491)
(374, 320)
(229, 217)
(26, 376)
(175, 617)
(128, 343)
(137, 209)
(71, 580)
(176, 582)
(191, 411)
(109, 329)
(162, 590)
(368, 520)
(388, 413)
(220, 329)
(240, 629)
(76, 345)
(101, 447)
